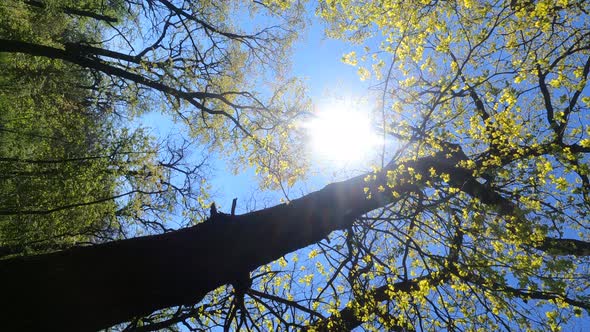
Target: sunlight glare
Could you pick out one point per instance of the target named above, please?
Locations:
(341, 135)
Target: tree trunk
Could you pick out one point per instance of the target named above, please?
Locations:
(96, 287)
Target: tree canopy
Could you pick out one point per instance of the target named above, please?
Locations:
(474, 217)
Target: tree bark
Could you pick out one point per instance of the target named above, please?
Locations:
(90, 288)
(95, 287)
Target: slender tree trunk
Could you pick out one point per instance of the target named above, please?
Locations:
(76, 11)
(87, 57)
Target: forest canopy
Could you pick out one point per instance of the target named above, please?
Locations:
(472, 216)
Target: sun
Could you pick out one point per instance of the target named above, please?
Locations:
(340, 134)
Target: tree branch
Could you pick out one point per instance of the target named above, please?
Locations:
(76, 11)
(76, 55)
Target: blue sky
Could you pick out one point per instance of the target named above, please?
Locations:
(317, 62)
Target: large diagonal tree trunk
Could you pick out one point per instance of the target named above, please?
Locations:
(95, 287)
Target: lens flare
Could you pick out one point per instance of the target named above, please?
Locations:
(341, 135)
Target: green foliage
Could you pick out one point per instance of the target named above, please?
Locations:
(51, 22)
(46, 137)
(497, 241)
(504, 83)
(496, 93)
(70, 172)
